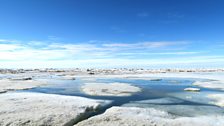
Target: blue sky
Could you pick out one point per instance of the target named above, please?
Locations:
(111, 33)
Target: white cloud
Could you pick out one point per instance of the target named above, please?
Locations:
(2, 40)
(37, 43)
(8, 41)
(10, 47)
(111, 63)
(44, 54)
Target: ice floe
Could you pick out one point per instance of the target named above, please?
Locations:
(109, 89)
(45, 109)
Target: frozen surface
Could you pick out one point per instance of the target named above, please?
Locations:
(132, 116)
(210, 84)
(109, 89)
(44, 109)
(7, 84)
(218, 99)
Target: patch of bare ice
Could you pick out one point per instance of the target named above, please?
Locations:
(132, 116)
(44, 109)
(109, 89)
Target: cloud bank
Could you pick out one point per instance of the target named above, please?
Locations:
(100, 54)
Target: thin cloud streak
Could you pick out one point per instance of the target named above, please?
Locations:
(146, 44)
(162, 53)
